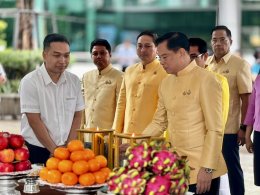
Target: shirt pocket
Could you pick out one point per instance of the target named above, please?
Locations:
(70, 104)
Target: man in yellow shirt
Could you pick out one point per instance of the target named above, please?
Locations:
(101, 87)
(199, 53)
(190, 106)
(237, 72)
(139, 92)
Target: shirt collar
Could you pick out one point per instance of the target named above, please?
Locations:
(152, 65)
(105, 70)
(187, 69)
(46, 77)
(225, 58)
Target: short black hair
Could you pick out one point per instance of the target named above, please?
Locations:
(175, 41)
(100, 42)
(54, 37)
(202, 45)
(151, 34)
(222, 27)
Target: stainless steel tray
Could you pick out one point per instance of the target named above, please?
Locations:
(77, 189)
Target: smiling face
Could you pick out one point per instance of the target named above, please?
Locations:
(100, 56)
(146, 49)
(56, 58)
(220, 43)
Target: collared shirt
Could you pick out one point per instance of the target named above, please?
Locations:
(190, 105)
(237, 72)
(101, 91)
(56, 103)
(253, 110)
(138, 97)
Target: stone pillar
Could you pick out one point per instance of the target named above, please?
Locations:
(91, 22)
(229, 14)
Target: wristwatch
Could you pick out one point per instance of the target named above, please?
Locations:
(208, 170)
(242, 127)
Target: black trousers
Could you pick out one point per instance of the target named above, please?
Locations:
(214, 188)
(37, 154)
(256, 141)
(230, 152)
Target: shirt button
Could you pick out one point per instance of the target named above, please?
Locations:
(95, 99)
(93, 110)
(97, 88)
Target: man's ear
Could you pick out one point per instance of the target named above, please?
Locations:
(231, 41)
(182, 51)
(205, 56)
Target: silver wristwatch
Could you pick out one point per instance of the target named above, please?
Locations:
(208, 170)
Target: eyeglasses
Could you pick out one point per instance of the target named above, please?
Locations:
(194, 56)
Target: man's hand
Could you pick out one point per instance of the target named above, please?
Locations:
(203, 181)
(241, 137)
(249, 145)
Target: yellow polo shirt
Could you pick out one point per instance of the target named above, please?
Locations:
(237, 72)
(101, 91)
(138, 97)
(190, 105)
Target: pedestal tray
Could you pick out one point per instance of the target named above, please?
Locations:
(77, 189)
(8, 181)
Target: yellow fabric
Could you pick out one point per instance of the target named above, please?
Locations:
(100, 94)
(237, 72)
(225, 94)
(225, 100)
(138, 97)
(190, 105)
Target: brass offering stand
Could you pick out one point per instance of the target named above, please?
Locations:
(130, 138)
(98, 141)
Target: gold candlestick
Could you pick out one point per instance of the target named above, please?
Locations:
(132, 138)
(97, 137)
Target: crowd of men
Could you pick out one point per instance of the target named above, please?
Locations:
(200, 100)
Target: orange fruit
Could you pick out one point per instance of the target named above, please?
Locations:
(87, 179)
(93, 165)
(54, 176)
(52, 163)
(100, 177)
(80, 167)
(65, 166)
(89, 153)
(75, 145)
(101, 160)
(78, 155)
(43, 173)
(106, 171)
(62, 153)
(69, 179)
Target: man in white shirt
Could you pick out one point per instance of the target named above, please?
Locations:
(51, 101)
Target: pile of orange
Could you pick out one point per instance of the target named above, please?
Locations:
(75, 164)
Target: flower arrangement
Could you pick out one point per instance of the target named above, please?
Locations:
(151, 169)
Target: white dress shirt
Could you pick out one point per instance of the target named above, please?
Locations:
(56, 103)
